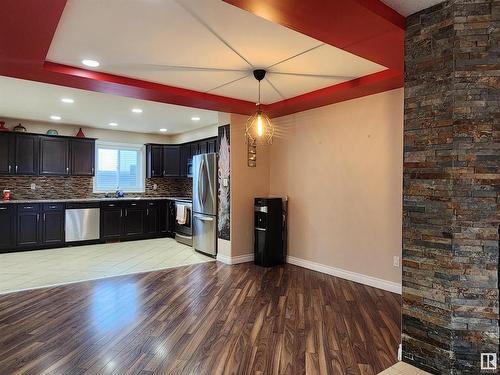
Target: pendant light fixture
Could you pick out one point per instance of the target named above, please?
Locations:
(259, 128)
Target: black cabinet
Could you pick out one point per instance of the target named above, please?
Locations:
(167, 218)
(54, 154)
(194, 148)
(154, 161)
(171, 161)
(7, 151)
(8, 226)
(185, 156)
(28, 225)
(52, 224)
(82, 157)
(32, 154)
(133, 220)
(111, 221)
(212, 145)
(26, 154)
(202, 147)
(152, 218)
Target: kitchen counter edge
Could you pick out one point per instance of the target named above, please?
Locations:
(73, 200)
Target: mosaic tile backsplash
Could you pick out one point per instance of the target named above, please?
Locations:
(56, 187)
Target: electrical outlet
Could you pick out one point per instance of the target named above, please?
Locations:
(33, 186)
(395, 261)
(155, 186)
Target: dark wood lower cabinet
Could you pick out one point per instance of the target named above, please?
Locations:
(152, 219)
(8, 220)
(32, 226)
(111, 222)
(133, 221)
(53, 227)
(28, 228)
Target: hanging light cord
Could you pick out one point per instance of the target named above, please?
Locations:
(258, 104)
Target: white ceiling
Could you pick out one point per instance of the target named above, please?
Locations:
(407, 7)
(155, 40)
(31, 100)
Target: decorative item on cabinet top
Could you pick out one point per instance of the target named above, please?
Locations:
(2, 127)
(19, 128)
(52, 132)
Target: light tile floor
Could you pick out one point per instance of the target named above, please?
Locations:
(41, 268)
(402, 368)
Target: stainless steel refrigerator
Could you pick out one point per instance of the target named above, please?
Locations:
(205, 203)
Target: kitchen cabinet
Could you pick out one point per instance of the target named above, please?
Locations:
(133, 219)
(34, 154)
(52, 224)
(111, 221)
(152, 218)
(184, 155)
(194, 148)
(167, 218)
(28, 225)
(54, 155)
(154, 160)
(7, 150)
(202, 147)
(26, 154)
(171, 161)
(82, 157)
(8, 226)
(212, 145)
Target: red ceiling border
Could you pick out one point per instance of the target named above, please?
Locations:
(367, 28)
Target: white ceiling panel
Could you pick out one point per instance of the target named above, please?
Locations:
(38, 101)
(295, 85)
(201, 45)
(261, 42)
(331, 61)
(248, 89)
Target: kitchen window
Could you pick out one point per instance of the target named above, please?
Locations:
(119, 167)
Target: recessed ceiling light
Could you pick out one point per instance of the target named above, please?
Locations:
(67, 100)
(113, 124)
(90, 63)
(136, 110)
(54, 117)
(163, 130)
(195, 118)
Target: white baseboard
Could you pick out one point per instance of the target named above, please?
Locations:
(235, 260)
(348, 275)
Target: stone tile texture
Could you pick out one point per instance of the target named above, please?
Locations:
(451, 186)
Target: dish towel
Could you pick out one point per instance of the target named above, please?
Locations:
(181, 214)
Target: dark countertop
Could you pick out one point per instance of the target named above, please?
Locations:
(185, 199)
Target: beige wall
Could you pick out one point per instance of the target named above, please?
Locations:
(101, 134)
(193, 135)
(246, 184)
(341, 166)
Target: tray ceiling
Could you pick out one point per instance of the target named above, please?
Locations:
(203, 45)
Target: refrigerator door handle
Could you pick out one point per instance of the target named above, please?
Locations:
(203, 218)
(200, 167)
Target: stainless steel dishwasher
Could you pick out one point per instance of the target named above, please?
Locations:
(82, 221)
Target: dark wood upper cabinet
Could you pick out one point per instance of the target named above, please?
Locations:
(154, 161)
(194, 149)
(82, 157)
(212, 145)
(185, 155)
(7, 147)
(54, 154)
(202, 147)
(26, 155)
(171, 161)
(8, 226)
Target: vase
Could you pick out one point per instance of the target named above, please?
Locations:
(2, 127)
(80, 134)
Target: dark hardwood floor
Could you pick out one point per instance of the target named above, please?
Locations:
(201, 319)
